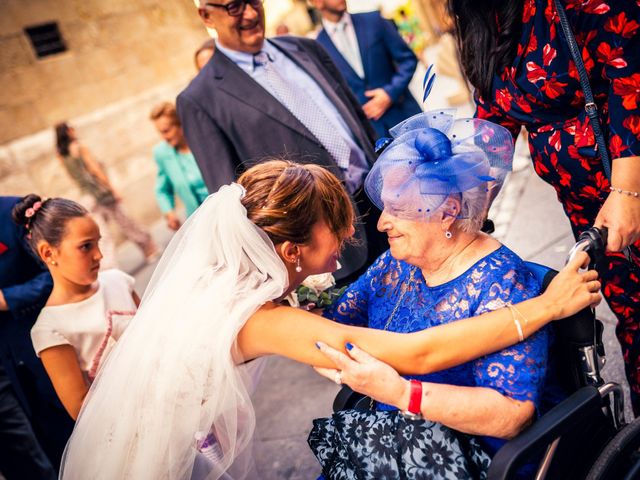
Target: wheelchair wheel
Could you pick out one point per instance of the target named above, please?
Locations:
(620, 459)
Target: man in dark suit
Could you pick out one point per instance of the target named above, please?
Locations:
(32, 419)
(375, 61)
(258, 99)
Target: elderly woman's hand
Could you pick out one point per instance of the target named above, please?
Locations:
(366, 375)
(572, 290)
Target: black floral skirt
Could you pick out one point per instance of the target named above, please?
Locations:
(358, 445)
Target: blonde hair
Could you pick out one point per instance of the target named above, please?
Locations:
(165, 109)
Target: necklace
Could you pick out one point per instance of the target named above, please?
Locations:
(403, 291)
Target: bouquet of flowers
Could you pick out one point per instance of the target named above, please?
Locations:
(316, 291)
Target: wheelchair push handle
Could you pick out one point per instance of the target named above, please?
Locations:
(592, 241)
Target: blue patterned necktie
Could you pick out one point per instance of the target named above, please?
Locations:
(303, 107)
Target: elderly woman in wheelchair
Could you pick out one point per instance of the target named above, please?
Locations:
(433, 183)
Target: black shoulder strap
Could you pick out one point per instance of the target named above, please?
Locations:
(590, 106)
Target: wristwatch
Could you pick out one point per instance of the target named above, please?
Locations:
(414, 412)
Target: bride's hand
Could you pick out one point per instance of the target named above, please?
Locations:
(572, 290)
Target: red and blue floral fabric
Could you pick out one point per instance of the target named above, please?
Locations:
(541, 91)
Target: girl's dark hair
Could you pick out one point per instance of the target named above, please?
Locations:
(488, 33)
(63, 139)
(47, 222)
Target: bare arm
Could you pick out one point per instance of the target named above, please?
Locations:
(473, 410)
(63, 369)
(467, 409)
(292, 333)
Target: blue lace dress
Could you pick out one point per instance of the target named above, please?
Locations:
(393, 295)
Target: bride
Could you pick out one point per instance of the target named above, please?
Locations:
(173, 399)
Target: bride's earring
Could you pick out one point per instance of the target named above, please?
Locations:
(298, 267)
(448, 234)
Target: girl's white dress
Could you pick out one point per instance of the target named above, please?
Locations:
(91, 326)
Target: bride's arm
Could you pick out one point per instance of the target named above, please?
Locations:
(292, 333)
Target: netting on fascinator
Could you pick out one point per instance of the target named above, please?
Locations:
(431, 156)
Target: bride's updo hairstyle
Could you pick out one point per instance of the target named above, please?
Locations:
(45, 220)
(286, 199)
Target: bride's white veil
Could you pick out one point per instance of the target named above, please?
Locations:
(172, 375)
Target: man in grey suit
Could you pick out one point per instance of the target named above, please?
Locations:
(258, 99)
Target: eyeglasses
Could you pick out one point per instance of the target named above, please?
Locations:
(236, 7)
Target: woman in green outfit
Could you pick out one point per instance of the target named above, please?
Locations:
(178, 173)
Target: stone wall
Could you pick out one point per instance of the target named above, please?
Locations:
(116, 49)
(123, 57)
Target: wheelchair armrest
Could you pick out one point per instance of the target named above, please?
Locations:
(578, 408)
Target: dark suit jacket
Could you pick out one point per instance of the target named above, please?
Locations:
(387, 61)
(231, 122)
(26, 285)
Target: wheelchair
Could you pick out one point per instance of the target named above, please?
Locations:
(584, 436)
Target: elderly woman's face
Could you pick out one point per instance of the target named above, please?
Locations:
(409, 240)
(407, 218)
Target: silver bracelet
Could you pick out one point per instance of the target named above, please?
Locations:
(516, 322)
(624, 192)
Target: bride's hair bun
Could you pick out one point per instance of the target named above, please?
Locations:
(286, 199)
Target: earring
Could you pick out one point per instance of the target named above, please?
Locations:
(53, 262)
(298, 267)
(448, 234)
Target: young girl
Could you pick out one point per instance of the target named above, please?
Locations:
(88, 310)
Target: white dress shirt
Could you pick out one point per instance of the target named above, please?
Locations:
(343, 36)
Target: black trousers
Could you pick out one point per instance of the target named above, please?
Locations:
(21, 456)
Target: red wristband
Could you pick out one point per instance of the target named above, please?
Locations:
(415, 397)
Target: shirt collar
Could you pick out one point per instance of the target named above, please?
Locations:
(331, 27)
(245, 60)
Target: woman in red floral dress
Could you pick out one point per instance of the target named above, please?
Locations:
(514, 53)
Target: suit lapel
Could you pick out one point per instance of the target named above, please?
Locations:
(236, 83)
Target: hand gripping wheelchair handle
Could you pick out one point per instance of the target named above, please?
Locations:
(592, 241)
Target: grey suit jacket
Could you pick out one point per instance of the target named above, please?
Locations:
(231, 122)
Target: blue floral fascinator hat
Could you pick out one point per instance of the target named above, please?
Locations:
(431, 156)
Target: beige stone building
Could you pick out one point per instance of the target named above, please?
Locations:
(121, 57)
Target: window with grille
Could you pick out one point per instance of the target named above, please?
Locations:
(46, 39)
